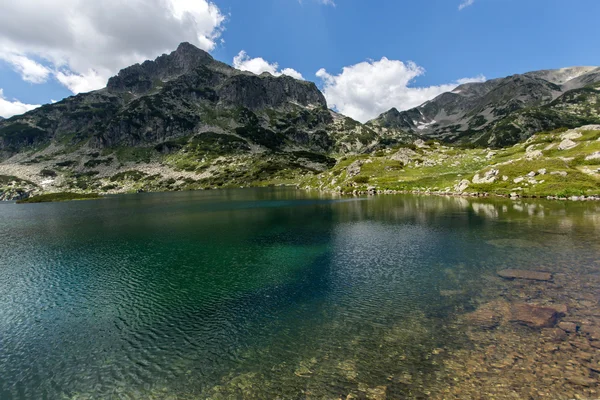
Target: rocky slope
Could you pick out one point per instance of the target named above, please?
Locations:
(184, 120)
(561, 163)
(504, 111)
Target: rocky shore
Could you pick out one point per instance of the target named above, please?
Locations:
(539, 337)
(373, 191)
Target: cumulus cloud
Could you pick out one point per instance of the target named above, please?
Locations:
(466, 3)
(365, 90)
(259, 65)
(30, 70)
(83, 43)
(9, 108)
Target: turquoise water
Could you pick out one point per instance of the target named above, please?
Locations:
(256, 293)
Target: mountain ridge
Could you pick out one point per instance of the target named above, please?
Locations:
(185, 117)
(477, 112)
(187, 121)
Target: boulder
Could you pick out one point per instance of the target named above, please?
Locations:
(533, 316)
(594, 156)
(489, 315)
(569, 327)
(525, 274)
(488, 177)
(534, 155)
(462, 186)
(404, 155)
(555, 335)
(592, 332)
(571, 134)
(581, 380)
(354, 168)
(567, 144)
(420, 143)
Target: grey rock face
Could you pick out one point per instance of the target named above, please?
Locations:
(503, 111)
(140, 78)
(179, 95)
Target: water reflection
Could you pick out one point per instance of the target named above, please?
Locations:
(276, 292)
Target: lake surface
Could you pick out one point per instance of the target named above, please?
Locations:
(278, 293)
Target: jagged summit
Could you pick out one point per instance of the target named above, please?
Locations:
(503, 111)
(139, 78)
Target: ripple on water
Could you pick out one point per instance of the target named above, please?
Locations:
(247, 294)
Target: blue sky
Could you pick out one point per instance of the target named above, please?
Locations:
(486, 38)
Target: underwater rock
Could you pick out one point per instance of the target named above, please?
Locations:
(592, 332)
(516, 243)
(534, 316)
(451, 293)
(581, 380)
(525, 274)
(569, 327)
(554, 335)
(489, 315)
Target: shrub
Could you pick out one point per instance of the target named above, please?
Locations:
(361, 179)
(47, 173)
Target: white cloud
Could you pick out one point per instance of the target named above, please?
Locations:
(259, 65)
(292, 72)
(9, 108)
(83, 43)
(29, 70)
(80, 83)
(365, 90)
(466, 3)
(325, 2)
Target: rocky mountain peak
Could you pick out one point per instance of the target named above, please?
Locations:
(139, 78)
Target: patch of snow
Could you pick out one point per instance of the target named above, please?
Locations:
(422, 125)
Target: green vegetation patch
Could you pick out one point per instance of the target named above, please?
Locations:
(18, 133)
(64, 196)
(133, 175)
(96, 162)
(211, 143)
(135, 154)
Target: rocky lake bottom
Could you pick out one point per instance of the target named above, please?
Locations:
(284, 294)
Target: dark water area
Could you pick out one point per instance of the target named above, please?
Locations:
(270, 293)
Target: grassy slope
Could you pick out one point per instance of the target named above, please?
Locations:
(64, 196)
(224, 161)
(441, 168)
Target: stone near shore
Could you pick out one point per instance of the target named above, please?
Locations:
(525, 274)
(495, 313)
(534, 316)
(569, 327)
(489, 315)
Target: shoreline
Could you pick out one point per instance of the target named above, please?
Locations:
(369, 192)
(376, 192)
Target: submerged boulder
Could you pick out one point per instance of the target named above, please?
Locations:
(489, 315)
(525, 274)
(495, 313)
(534, 316)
